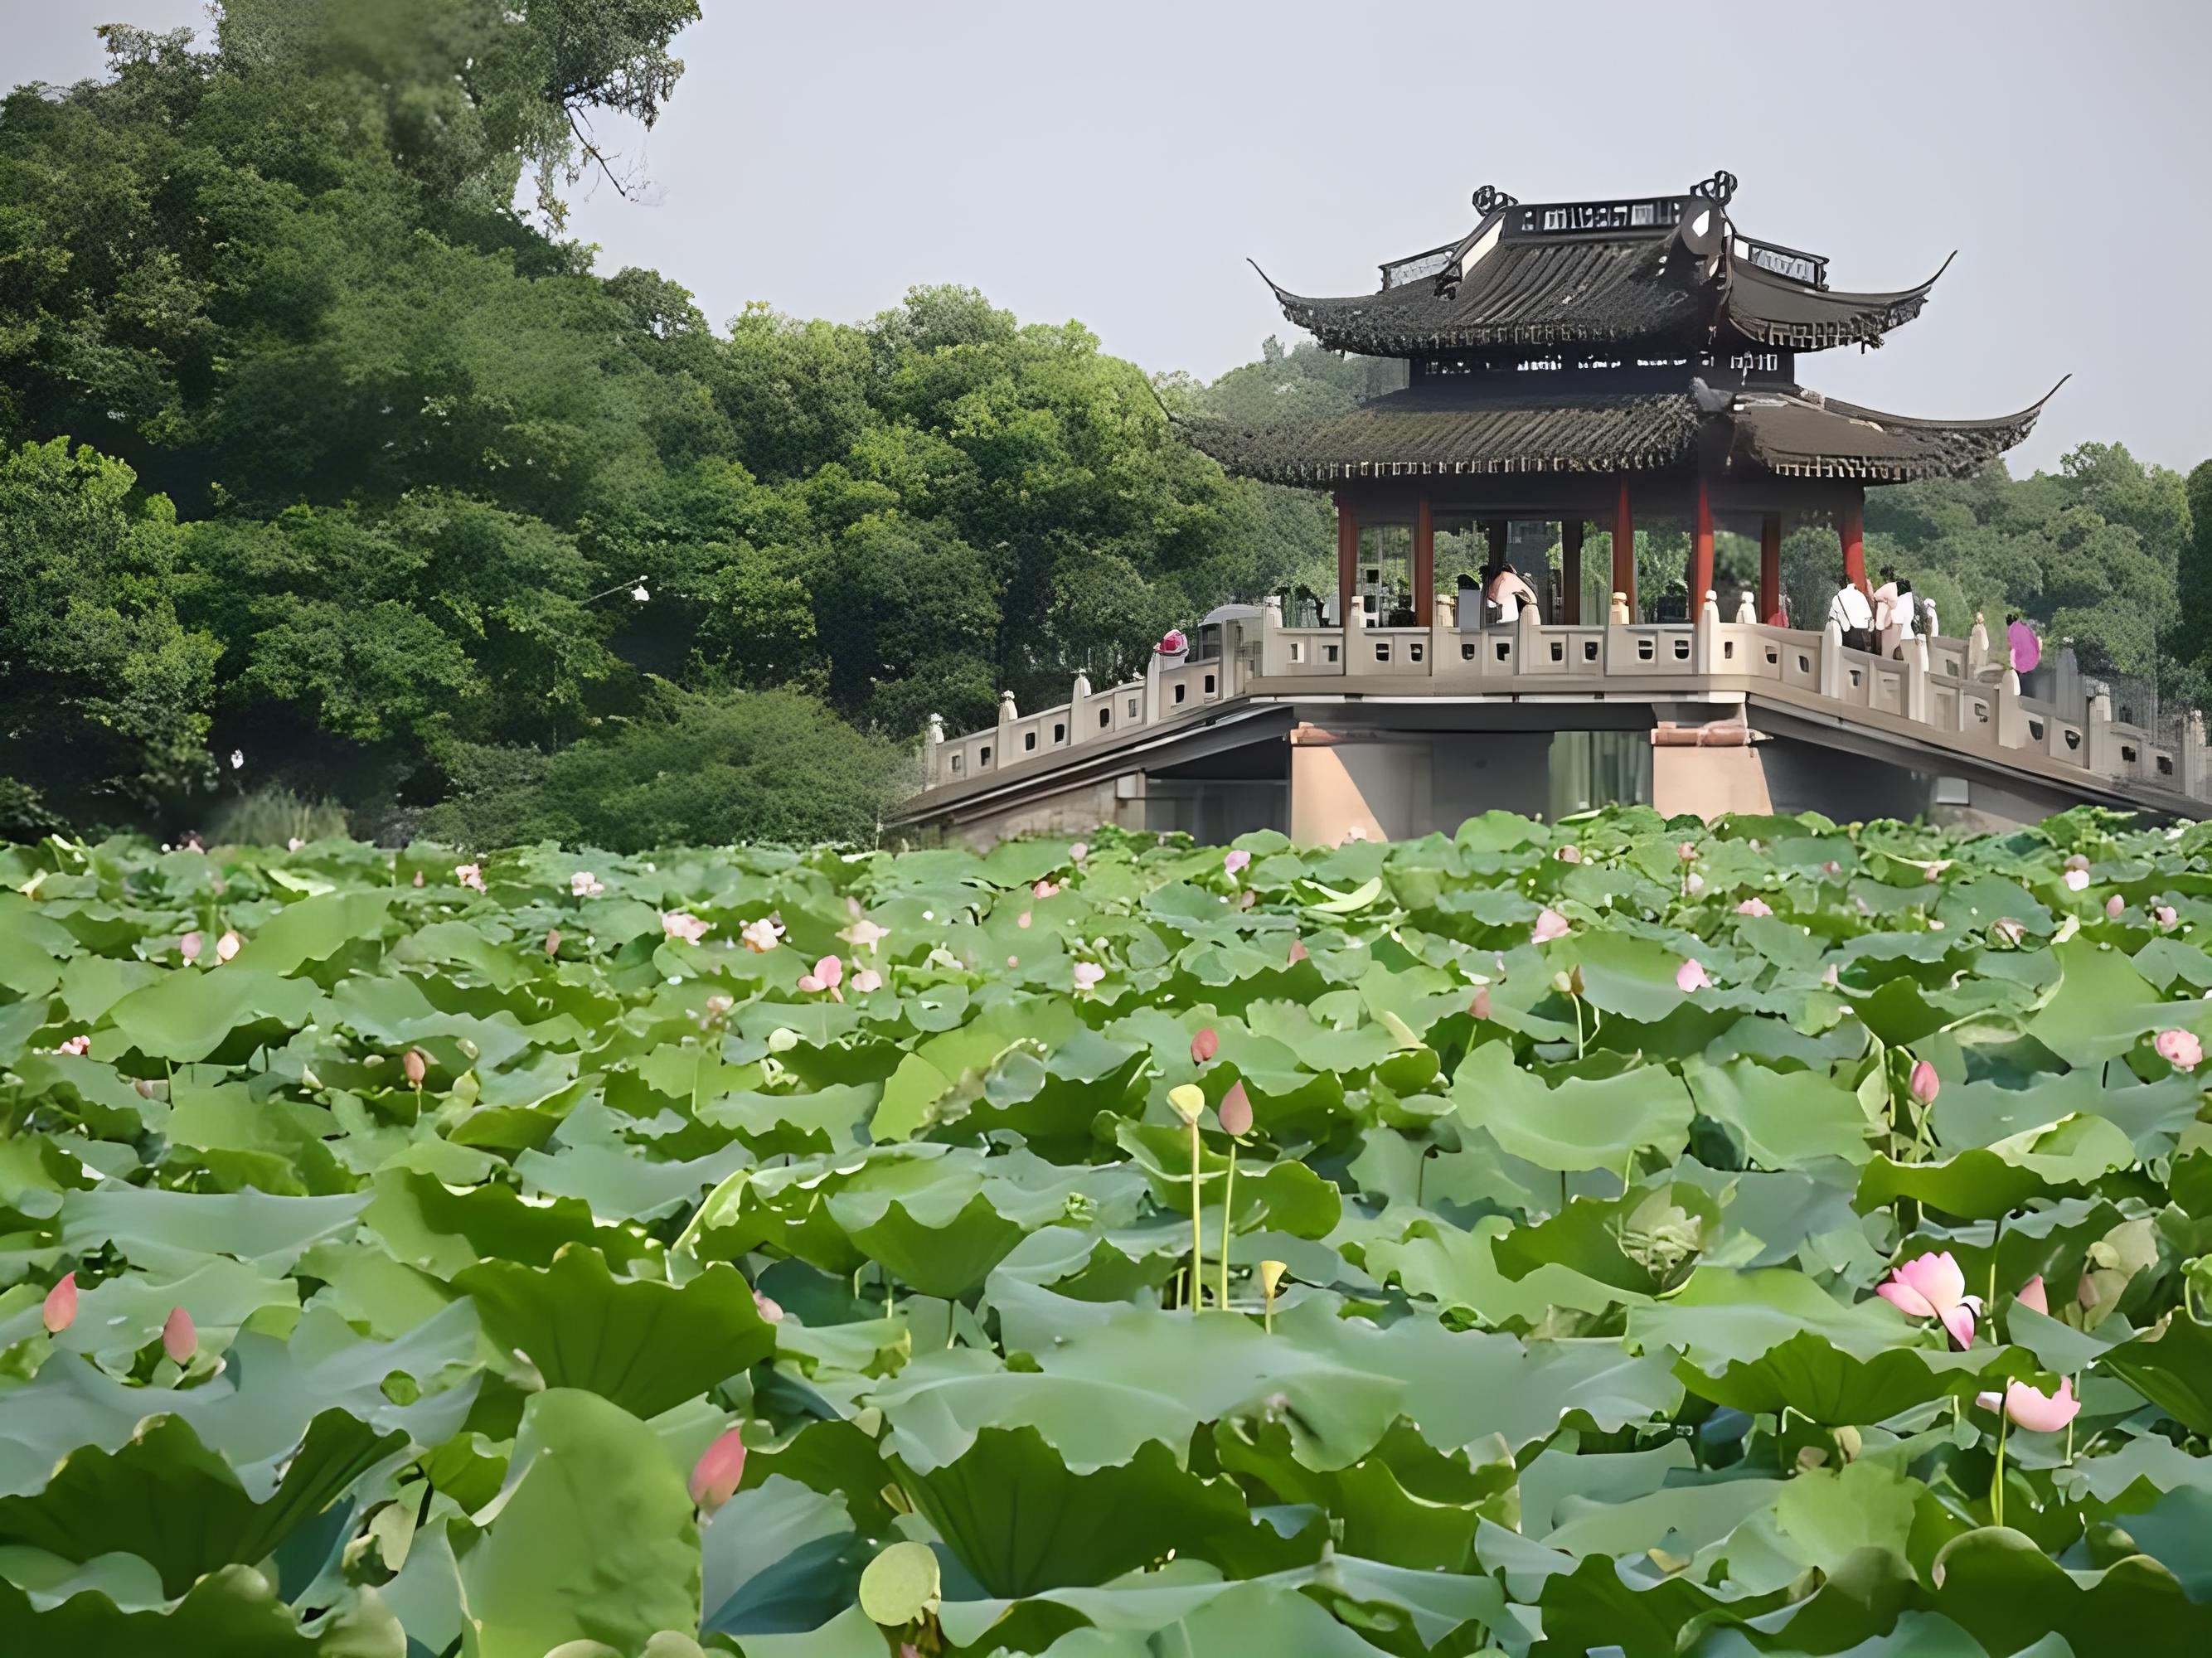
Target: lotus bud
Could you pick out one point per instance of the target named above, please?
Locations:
(1569, 854)
(227, 946)
(1188, 1100)
(1478, 1006)
(1271, 1276)
(1297, 952)
(771, 1311)
(416, 1065)
(2180, 1048)
(715, 1477)
(190, 946)
(60, 1311)
(1204, 1046)
(1563, 985)
(782, 1039)
(1235, 1112)
(180, 1339)
(1687, 852)
(2033, 1295)
(553, 942)
(2115, 906)
(1925, 1084)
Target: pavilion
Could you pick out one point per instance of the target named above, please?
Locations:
(1607, 362)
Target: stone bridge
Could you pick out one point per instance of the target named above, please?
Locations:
(1329, 733)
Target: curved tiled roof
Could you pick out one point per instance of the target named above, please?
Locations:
(1447, 428)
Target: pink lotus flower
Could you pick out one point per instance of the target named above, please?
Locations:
(1687, 852)
(865, 934)
(1013, 961)
(681, 923)
(1832, 976)
(1204, 1045)
(1024, 920)
(1690, 977)
(1693, 884)
(2180, 1048)
(2115, 906)
(190, 945)
(1078, 853)
(1235, 1112)
(828, 973)
(469, 876)
(771, 1311)
(227, 946)
(2166, 920)
(1478, 1005)
(715, 1478)
(2010, 931)
(868, 979)
(180, 1339)
(1569, 854)
(1550, 925)
(585, 885)
(553, 941)
(1925, 1083)
(60, 1309)
(1087, 975)
(1043, 890)
(1235, 860)
(2036, 1411)
(418, 877)
(1754, 907)
(1932, 1286)
(759, 936)
(2077, 879)
(1297, 952)
(80, 1043)
(2033, 1295)
(1247, 898)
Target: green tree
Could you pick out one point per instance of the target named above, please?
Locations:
(104, 694)
(697, 768)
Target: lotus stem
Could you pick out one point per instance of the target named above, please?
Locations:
(1197, 1238)
(1268, 1313)
(1996, 1483)
(1228, 1220)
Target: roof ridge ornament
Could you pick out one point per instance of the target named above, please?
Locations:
(1720, 188)
(1489, 198)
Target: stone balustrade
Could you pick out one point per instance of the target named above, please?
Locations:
(1952, 694)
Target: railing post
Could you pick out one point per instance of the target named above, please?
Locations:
(2103, 752)
(1152, 687)
(1527, 639)
(1271, 646)
(2012, 718)
(933, 751)
(1704, 640)
(1744, 612)
(1977, 648)
(1915, 680)
(2192, 755)
(1831, 661)
(1078, 710)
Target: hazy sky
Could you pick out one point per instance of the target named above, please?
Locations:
(1118, 163)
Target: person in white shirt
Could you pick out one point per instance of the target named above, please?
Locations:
(1851, 612)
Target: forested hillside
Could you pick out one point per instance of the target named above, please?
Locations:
(329, 465)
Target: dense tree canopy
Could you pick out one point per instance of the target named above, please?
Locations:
(325, 447)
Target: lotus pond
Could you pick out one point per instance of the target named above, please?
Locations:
(1608, 1235)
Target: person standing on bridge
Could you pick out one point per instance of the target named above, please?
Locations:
(2025, 648)
(1853, 616)
(1505, 593)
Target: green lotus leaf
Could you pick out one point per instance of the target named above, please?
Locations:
(231, 1613)
(2171, 1367)
(593, 1538)
(645, 1345)
(165, 1497)
(1782, 1119)
(1580, 1124)
(2001, 1587)
(2062, 1159)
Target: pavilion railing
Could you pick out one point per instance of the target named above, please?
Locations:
(1954, 694)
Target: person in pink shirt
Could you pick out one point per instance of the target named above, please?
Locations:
(2026, 650)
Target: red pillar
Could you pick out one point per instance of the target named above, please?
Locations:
(1851, 527)
(1623, 550)
(1348, 555)
(1769, 569)
(1571, 571)
(1701, 553)
(1425, 565)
